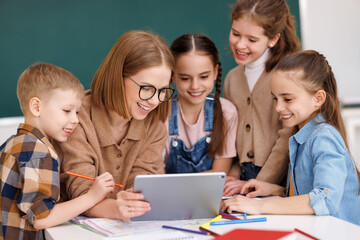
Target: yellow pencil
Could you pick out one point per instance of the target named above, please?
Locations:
(217, 218)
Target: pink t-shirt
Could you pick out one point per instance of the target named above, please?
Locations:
(191, 133)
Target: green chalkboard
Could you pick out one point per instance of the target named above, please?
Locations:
(78, 34)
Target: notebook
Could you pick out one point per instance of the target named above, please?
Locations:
(181, 196)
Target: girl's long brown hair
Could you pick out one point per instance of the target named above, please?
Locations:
(202, 44)
(318, 75)
(274, 17)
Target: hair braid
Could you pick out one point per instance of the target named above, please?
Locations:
(217, 144)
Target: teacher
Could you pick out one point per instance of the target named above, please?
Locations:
(121, 129)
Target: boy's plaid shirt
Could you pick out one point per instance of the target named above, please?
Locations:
(29, 177)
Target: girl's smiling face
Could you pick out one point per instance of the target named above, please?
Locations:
(294, 103)
(194, 77)
(248, 41)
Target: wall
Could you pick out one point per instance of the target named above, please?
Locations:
(8, 127)
(332, 27)
(351, 118)
(77, 35)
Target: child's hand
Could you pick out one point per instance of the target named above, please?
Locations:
(241, 204)
(232, 186)
(230, 178)
(253, 188)
(103, 185)
(131, 204)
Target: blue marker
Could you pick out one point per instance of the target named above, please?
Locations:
(263, 219)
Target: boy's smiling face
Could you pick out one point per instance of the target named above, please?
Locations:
(58, 114)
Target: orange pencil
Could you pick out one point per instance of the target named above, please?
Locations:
(87, 177)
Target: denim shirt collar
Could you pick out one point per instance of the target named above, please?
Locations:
(304, 133)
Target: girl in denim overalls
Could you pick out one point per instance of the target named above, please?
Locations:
(323, 178)
(202, 127)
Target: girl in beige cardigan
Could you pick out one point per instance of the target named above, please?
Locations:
(261, 34)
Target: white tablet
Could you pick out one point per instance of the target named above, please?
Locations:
(181, 196)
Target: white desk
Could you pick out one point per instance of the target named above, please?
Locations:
(323, 227)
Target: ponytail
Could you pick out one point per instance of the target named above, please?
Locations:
(318, 75)
(288, 43)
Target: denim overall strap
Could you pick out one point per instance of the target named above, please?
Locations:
(184, 160)
(173, 122)
(209, 114)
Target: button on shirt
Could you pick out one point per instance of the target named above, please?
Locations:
(323, 168)
(29, 182)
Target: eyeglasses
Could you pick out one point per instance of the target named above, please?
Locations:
(146, 92)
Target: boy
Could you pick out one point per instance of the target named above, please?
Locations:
(50, 98)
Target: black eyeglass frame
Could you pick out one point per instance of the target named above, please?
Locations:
(156, 90)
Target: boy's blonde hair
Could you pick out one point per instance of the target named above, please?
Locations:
(39, 79)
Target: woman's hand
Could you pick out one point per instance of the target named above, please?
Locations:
(254, 188)
(130, 204)
(232, 186)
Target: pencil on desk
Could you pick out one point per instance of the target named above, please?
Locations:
(208, 231)
(217, 218)
(228, 216)
(306, 234)
(87, 177)
(186, 230)
(249, 220)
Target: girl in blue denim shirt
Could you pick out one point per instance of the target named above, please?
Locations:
(322, 178)
(202, 127)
